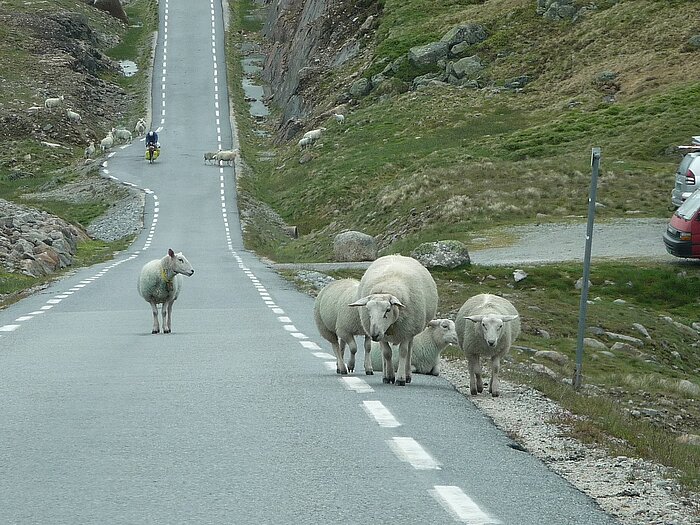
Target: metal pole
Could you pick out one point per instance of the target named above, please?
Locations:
(595, 164)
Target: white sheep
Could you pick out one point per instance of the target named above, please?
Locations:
(304, 143)
(398, 298)
(340, 119)
(140, 127)
(226, 155)
(314, 134)
(160, 282)
(90, 150)
(107, 142)
(427, 347)
(53, 102)
(73, 116)
(338, 323)
(209, 156)
(486, 326)
(122, 135)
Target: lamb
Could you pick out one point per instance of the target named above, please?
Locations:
(487, 325)
(314, 134)
(397, 297)
(305, 142)
(340, 119)
(90, 150)
(227, 155)
(73, 116)
(209, 156)
(53, 102)
(338, 323)
(140, 127)
(107, 142)
(427, 347)
(160, 282)
(122, 135)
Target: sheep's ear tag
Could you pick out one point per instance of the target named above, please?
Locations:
(171, 252)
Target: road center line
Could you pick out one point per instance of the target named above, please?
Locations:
(461, 506)
(380, 414)
(409, 450)
(355, 383)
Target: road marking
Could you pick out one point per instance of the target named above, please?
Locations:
(409, 450)
(324, 355)
(299, 335)
(284, 319)
(310, 345)
(380, 414)
(461, 506)
(9, 328)
(355, 383)
(24, 318)
(330, 365)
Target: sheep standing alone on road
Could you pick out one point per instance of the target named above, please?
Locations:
(427, 347)
(53, 102)
(338, 323)
(160, 282)
(397, 299)
(486, 326)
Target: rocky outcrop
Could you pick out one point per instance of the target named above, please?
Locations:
(34, 242)
(354, 246)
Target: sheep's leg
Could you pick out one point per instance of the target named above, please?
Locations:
(353, 350)
(408, 366)
(340, 367)
(474, 366)
(167, 316)
(368, 358)
(156, 326)
(404, 364)
(479, 375)
(495, 368)
(388, 367)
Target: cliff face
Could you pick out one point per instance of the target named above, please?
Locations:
(307, 39)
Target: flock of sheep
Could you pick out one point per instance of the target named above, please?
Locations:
(394, 303)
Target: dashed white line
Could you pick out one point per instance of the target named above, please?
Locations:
(310, 345)
(323, 355)
(9, 328)
(461, 506)
(380, 414)
(409, 450)
(355, 383)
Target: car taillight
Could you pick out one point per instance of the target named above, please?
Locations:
(690, 177)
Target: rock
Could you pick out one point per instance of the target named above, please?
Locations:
(352, 246)
(693, 43)
(360, 88)
(625, 339)
(579, 284)
(442, 254)
(594, 343)
(519, 275)
(689, 439)
(640, 328)
(551, 355)
(428, 54)
(623, 347)
(541, 369)
(468, 34)
(113, 7)
(688, 387)
(468, 67)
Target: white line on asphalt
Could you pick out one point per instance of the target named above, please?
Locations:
(284, 319)
(380, 414)
(330, 365)
(461, 506)
(323, 355)
(409, 450)
(355, 383)
(24, 318)
(310, 345)
(9, 328)
(299, 335)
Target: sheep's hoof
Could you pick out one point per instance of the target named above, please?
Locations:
(473, 391)
(155, 331)
(495, 394)
(351, 369)
(399, 382)
(166, 331)
(408, 379)
(369, 372)
(386, 380)
(337, 370)
(343, 373)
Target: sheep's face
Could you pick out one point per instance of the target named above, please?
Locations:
(383, 310)
(491, 326)
(444, 332)
(180, 264)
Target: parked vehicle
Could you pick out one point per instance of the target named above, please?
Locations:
(687, 174)
(682, 235)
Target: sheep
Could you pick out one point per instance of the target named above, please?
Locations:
(305, 142)
(209, 156)
(486, 326)
(53, 102)
(107, 142)
(122, 135)
(397, 297)
(90, 150)
(427, 347)
(314, 134)
(227, 155)
(340, 119)
(73, 116)
(160, 282)
(140, 127)
(339, 324)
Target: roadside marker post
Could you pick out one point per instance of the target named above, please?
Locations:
(595, 166)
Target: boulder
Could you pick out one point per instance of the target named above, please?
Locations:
(353, 246)
(469, 34)
(468, 67)
(360, 88)
(442, 254)
(428, 54)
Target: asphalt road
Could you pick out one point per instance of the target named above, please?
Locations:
(238, 415)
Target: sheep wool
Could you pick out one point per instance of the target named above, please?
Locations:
(397, 298)
(487, 325)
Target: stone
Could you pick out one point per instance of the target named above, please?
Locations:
(688, 387)
(468, 67)
(551, 355)
(428, 54)
(469, 34)
(442, 254)
(352, 246)
(689, 439)
(594, 343)
(694, 43)
(625, 339)
(361, 87)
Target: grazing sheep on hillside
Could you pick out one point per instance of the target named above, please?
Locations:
(340, 119)
(140, 127)
(427, 347)
(90, 150)
(160, 282)
(397, 299)
(122, 135)
(304, 143)
(107, 142)
(338, 323)
(53, 102)
(73, 116)
(209, 156)
(314, 134)
(486, 326)
(226, 155)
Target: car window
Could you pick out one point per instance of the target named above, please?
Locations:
(690, 206)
